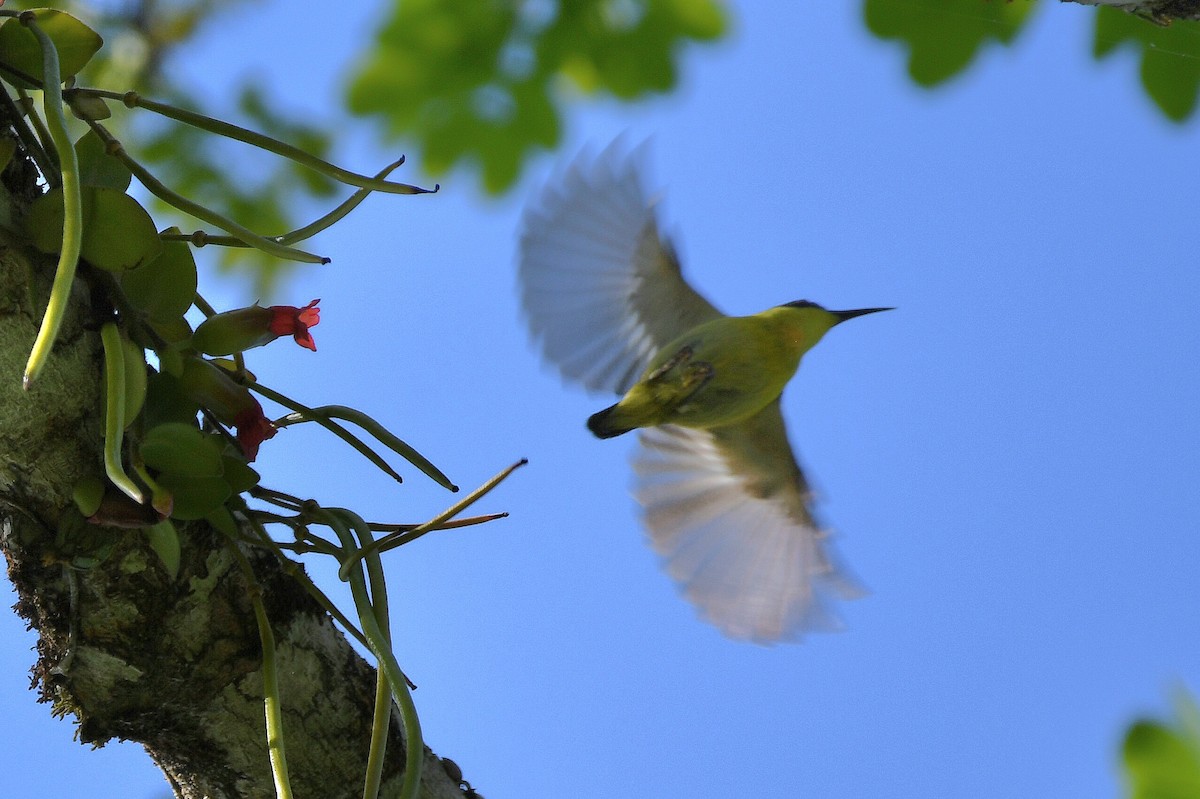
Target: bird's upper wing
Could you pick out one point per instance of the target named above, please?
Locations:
(730, 512)
(601, 287)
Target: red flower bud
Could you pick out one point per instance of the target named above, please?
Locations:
(245, 328)
(253, 428)
(232, 404)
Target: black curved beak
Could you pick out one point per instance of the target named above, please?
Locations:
(842, 316)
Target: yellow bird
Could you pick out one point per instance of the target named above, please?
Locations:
(724, 501)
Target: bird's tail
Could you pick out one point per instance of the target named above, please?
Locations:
(604, 425)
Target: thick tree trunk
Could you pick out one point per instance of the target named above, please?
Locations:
(133, 654)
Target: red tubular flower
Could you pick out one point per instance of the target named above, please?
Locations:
(253, 428)
(212, 387)
(288, 320)
(244, 328)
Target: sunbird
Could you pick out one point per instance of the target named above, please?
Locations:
(724, 501)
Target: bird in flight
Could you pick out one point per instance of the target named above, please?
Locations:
(724, 501)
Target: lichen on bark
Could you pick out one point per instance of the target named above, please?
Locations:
(130, 652)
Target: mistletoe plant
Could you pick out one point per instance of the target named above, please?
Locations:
(179, 436)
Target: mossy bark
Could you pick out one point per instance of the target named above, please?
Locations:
(130, 652)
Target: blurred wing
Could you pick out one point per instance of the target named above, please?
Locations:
(601, 288)
(730, 512)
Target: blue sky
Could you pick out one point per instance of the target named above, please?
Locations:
(1010, 458)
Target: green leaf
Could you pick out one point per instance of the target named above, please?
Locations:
(1170, 57)
(75, 42)
(43, 221)
(628, 53)
(164, 288)
(239, 475)
(195, 496)
(699, 19)
(222, 519)
(1162, 763)
(941, 37)
(170, 361)
(166, 403)
(97, 167)
(164, 540)
(181, 449)
(118, 234)
(175, 331)
(87, 494)
(190, 466)
(474, 80)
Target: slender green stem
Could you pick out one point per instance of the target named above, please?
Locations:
(298, 574)
(30, 142)
(400, 538)
(221, 128)
(270, 517)
(383, 704)
(340, 212)
(414, 747)
(306, 539)
(114, 411)
(272, 706)
(203, 305)
(36, 144)
(447, 525)
(381, 718)
(44, 137)
(160, 498)
(310, 414)
(200, 239)
(277, 498)
(68, 257)
(384, 436)
(159, 190)
(302, 547)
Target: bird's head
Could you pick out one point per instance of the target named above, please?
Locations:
(815, 321)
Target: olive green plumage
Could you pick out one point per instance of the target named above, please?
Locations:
(721, 372)
(724, 500)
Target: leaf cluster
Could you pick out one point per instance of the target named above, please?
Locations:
(480, 82)
(1162, 759)
(944, 37)
(178, 436)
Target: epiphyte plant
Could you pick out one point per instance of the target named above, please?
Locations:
(179, 436)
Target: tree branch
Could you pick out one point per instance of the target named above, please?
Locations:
(132, 653)
(1163, 12)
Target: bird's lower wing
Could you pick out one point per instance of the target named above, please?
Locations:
(728, 510)
(601, 288)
